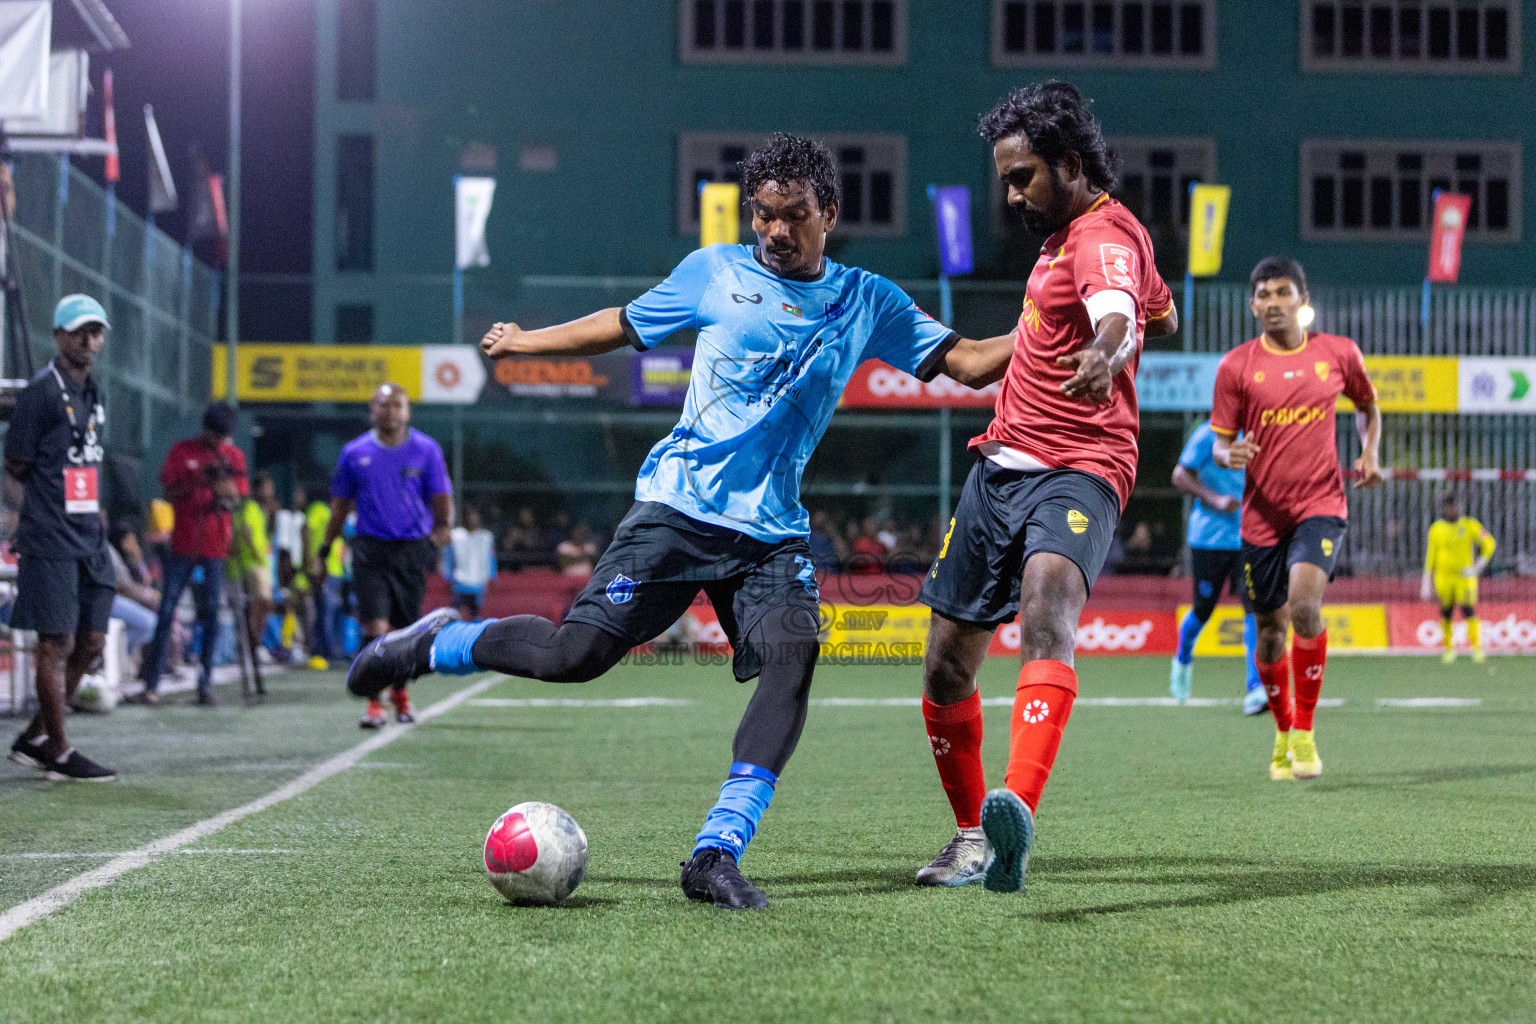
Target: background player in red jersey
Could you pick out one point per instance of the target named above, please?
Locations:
(1038, 512)
(1279, 391)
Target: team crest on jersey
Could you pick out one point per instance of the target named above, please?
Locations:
(1321, 366)
(1119, 263)
(1258, 377)
(621, 589)
(1327, 548)
(1076, 521)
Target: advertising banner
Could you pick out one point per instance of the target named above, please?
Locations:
(1176, 381)
(1411, 383)
(1489, 384)
(472, 209)
(952, 210)
(660, 377)
(1506, 627)
(606, 376)
(452, 374)
(719, 213)
(1450, 226)
(875, 385)
(1350, 627)
(1207, 227)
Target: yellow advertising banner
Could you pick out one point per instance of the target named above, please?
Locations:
(1207, 227)
(719, 213)
(1350, 627)
(883, 633)
(1412, 383)
(318, 373)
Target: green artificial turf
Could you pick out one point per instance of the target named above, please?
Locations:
(1171, 880)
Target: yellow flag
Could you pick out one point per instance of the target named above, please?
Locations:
(1207, 228)
(719, 213)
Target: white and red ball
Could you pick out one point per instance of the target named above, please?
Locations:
(536, 853)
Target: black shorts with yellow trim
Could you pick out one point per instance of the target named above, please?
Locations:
(1267, 570)
(1003, 517)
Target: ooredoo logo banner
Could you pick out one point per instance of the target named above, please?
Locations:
(875, 385)
(1505, 627)
(1107, 632)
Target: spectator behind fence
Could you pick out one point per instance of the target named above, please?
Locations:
(64, 582)
(577, 554)
(250, 563)
(469, 563)
(204, 479)
(136, 602)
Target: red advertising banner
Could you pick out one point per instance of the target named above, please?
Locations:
(877, 386)
(1099, 631)
(1506, 627)
(1450, 226)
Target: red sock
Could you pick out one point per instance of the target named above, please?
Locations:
(954, 730)
(1277, 684)
(1309, 657)
(1041, 707)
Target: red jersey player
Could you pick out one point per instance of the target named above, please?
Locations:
(1279, 391)
(1035, 520)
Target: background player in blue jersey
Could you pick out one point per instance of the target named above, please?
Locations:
(1215, 551)
(717, 503)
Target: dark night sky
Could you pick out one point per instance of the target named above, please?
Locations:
(179, 62)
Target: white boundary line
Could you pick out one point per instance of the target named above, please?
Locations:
(65, 893)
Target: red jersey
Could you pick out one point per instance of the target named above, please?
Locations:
(201, 528)
(1284, 403)
(1105, 249)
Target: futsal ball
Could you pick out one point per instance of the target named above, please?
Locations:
(95, 695)
(536, 854)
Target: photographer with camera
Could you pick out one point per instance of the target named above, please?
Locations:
(204, 479)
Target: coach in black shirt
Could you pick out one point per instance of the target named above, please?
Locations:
(64, 580)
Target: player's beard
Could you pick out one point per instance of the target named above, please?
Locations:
(1045, 223)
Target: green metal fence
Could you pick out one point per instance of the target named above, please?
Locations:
(72, 236)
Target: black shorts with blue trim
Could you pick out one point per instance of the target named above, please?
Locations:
(1267, 570)
(659, 561)
(1006, 515)
(1210, 569)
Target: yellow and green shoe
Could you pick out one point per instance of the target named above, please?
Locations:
(1280, 764)
(1305, 764)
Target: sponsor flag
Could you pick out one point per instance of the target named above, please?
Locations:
(952, 212)
(162, 190)
(719, 213)
(1207, 227)
(26, 33)
(472, 208)
(114, 168)
(1450, 227)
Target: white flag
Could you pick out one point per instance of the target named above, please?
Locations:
(162, 190)
(472, 207)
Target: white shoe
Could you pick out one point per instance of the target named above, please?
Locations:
(962, 861)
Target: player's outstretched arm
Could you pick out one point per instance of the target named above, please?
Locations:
(977, 364)
(590, 336)
(1096, 365)
(1368, 426)
(1162, 326)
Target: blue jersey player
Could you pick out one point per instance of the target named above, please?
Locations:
(1215, 552)
(717, 503)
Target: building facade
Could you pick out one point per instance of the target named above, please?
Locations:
(1332, 121)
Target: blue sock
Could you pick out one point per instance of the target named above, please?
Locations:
(732, 822)
(1189, 632)
(1250, 641)
(453, 648)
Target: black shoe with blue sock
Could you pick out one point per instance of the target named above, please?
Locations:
(712, 874)
(394, 659)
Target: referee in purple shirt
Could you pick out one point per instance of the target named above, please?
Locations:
(396, 480)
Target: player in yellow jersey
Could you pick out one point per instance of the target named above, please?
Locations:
(1459, 550)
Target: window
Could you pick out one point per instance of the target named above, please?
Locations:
(1446, 36)
(1155, 174)
(356, 48)
(1110, 33)
(872, 169)
(354, 323)
(1382, 191)
(354, 202)
(793, 31)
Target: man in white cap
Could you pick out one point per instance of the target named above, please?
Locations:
(64, 580)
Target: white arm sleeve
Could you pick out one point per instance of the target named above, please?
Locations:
(1111, 300)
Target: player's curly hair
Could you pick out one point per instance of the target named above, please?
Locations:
(1055, 119)
(787, 158)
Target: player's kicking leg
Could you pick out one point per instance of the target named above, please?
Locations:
(1309, 656)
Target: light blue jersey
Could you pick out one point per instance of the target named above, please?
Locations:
(772, 359)
(1208, 528)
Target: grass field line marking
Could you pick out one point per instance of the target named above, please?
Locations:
(1429, 702)
(573, 702)
(65, 893)
(85, 855)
